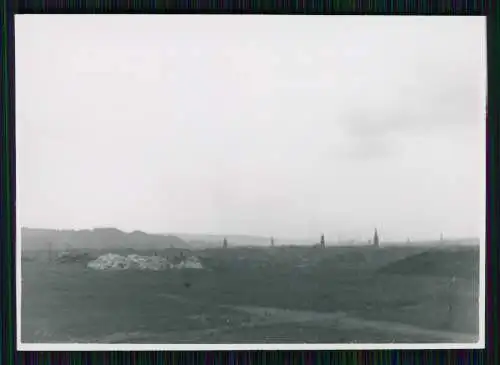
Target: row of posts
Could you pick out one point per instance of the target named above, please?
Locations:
(322, 243)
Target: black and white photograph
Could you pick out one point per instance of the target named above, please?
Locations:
(250, 181)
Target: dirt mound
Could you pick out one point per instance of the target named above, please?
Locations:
(462, 263)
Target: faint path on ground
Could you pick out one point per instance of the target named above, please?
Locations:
(264, 316)
(341, 321)
(269, 316)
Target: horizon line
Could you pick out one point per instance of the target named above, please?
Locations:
(438, 238)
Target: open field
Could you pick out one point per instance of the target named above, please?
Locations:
(260, 295)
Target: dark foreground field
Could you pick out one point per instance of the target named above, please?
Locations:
(261, 295)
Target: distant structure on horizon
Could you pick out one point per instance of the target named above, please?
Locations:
(376, 242)
(224, 243)
(441, 237)
(272, 241)
(322, 242)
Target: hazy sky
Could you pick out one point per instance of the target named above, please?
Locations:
(270, 125)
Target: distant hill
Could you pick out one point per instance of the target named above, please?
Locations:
(435, 243)
(104, 238)
(460, 262)
(215, 240)
(99, 238)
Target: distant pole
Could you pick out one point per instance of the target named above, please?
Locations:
(272, 241)
(224, 244)
(375, 239)
(441, 237)
(322, 242)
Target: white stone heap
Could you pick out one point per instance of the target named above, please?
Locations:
(112, 261)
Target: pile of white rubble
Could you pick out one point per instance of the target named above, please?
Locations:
(112, 261)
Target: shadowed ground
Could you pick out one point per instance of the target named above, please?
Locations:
(273, 295)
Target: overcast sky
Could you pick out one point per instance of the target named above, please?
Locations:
(269, 125)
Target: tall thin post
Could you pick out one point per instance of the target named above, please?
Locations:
(322, 242)
(272, 241)
(376, 242)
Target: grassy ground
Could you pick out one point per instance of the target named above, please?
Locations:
(225, 301)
